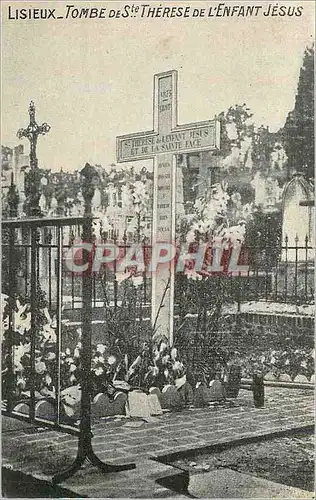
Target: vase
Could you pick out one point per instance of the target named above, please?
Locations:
(232, 384)
(258, 390)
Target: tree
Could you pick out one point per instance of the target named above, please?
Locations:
(236, 125)
(298, 132)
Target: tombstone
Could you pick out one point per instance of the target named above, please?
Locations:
(186, 394)
(53, 205)
(157, 391)
(81, 203)
(301, 379)
(170, 398)
(119, 403)
(285, 377)
(295, 273)
(216, 391)
(101, 406)
(96, 201)
(270, 377)
(154, 405)
(258, 183)
(22, 199)
(14, 163)
(126, 197)
(112, 195)
(202, 396)
(297, 219)
(42, 203)
(22, 408)
(137, 404)
(45, 410)
(162, 144)
(75, 211)
(272, 195)
(21, 161)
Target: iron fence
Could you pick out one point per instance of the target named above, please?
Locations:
(34, 329)
(284, 273)
(35, 275)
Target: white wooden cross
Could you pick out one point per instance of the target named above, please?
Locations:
(162, 144)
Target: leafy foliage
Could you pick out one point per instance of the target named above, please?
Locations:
(298, 131)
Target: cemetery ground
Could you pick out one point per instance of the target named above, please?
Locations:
(287, 460)
(174, 450)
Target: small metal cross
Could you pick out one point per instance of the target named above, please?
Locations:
(32, 132)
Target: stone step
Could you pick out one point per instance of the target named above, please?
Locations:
(227, 483)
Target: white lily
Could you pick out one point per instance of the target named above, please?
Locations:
(4, 301)
(163, 347)
(21, 382)
(20, 350)
(192, 275)
(101, 348)
(22, 319)
(70, 397)
(40, 367)
(177, 366)
(50, 356)
(17, 366)
(98, 371)
(49, 333)
(111, 360)
(165, 359)
(5, 323)
(120, 277)
(137, 280)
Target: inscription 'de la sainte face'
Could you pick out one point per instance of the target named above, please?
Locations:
(199, 137)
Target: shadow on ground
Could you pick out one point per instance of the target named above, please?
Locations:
(18, 485)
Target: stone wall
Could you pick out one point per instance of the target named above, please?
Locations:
(282, 324)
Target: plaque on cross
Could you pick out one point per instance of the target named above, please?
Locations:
(162, 144)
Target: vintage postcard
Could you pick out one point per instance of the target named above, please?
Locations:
(157, 232)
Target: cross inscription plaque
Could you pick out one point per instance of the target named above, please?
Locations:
(162, 144)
